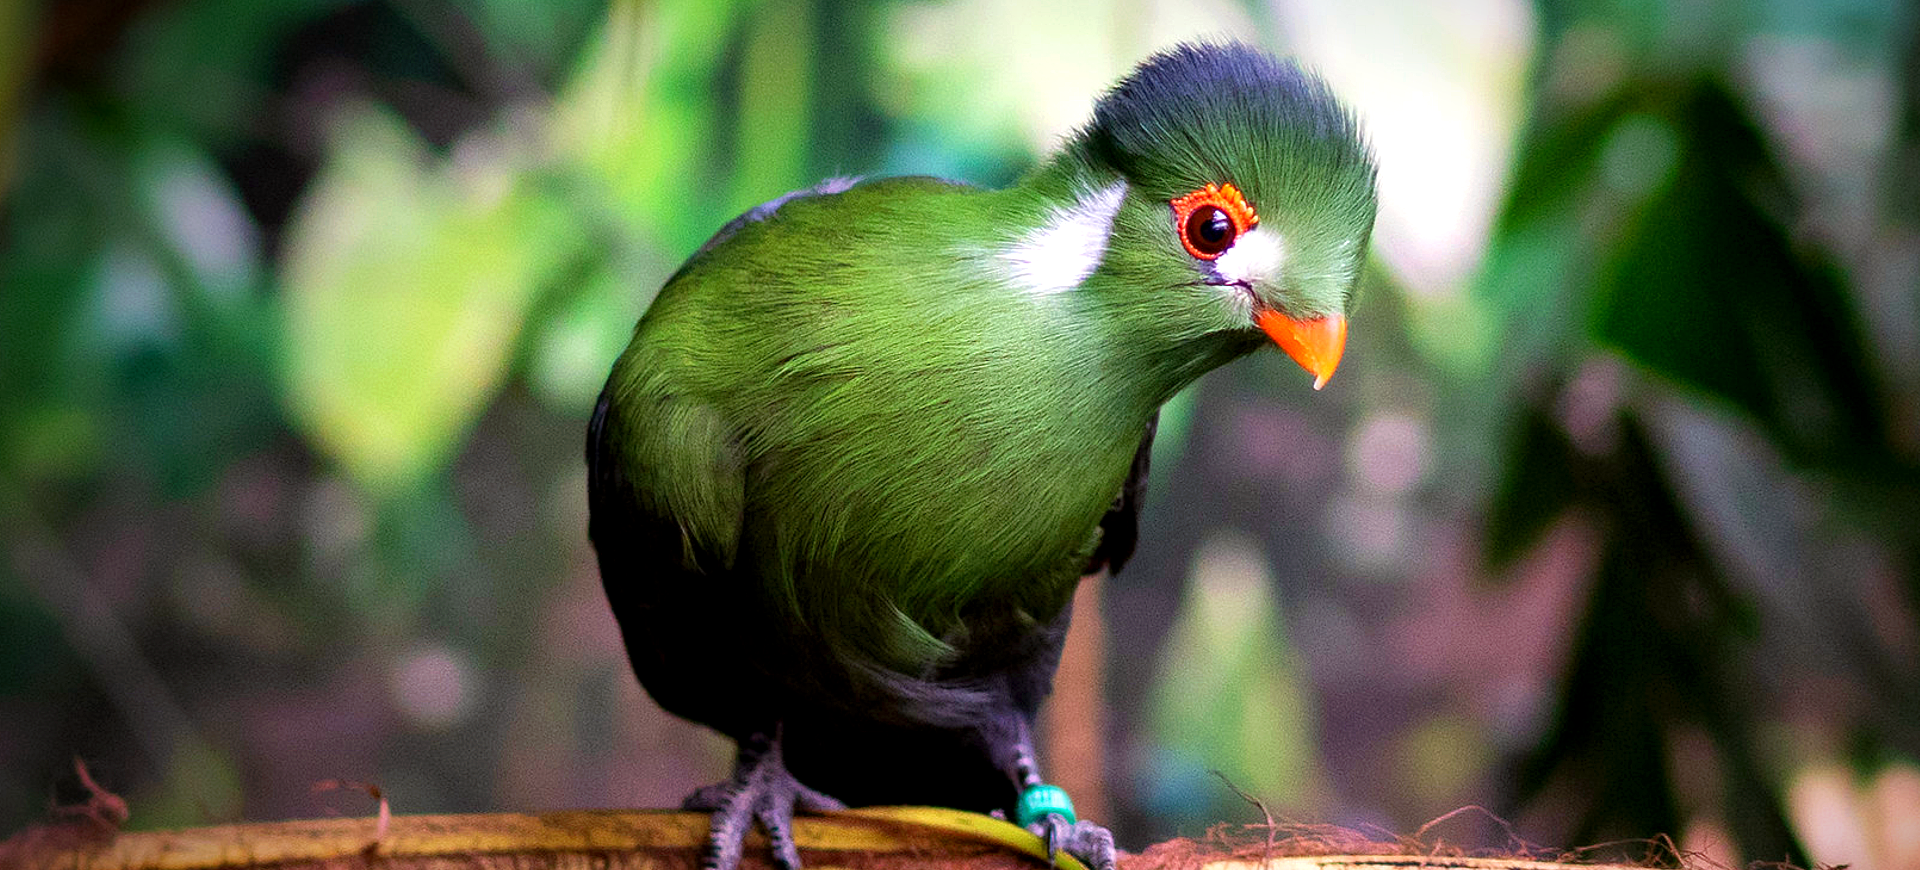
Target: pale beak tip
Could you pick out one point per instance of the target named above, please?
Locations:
(1316, 344)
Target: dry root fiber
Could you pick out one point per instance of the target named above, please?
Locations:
(1284, 846)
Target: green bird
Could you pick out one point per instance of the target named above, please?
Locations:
(867, 440)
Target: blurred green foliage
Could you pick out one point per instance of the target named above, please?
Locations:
(303, 306)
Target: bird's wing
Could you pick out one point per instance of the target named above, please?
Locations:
(1120, 528)
(668, 582)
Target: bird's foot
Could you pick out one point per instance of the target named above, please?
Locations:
(1048, 813)
(760, 790)
(1090, 843)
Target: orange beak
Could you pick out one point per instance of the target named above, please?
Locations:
(1315, 344)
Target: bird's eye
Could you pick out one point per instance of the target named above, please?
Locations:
(1209, 219)
(1210, 231)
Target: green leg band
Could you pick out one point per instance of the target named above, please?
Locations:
(1038, 801)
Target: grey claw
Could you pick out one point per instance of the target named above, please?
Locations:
(1090, 843)
(1052, 830)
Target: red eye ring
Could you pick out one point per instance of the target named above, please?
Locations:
(1197, 218)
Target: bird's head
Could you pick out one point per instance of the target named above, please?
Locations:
(1243, 203)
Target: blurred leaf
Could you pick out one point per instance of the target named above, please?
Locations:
(1654, 656)
(1458, 334)
(202, 69)
(640, 120)
(406, 287)
(850, 131)
(1706, 288)
(772, 141)
(545, 36)
(1537, 485)
(1653, 220)
(1539, 260)
(73, 199)
(574, 348)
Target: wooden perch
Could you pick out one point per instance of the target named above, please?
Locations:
(866, 839)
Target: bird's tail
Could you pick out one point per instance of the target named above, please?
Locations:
(931, 702)
(967, 682)
(848, 672)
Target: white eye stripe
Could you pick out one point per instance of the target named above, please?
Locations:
(1059, 254)
(1254, 257)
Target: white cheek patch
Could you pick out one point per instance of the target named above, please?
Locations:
(1061, 253)
(1254, 258)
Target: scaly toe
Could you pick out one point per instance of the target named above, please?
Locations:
(1090, 843)
(761, 791)
(1093, 845)
(775, 814)
(727, 831)
(814, 802)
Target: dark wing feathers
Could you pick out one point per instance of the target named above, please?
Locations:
(1120, 528)
(683, 628)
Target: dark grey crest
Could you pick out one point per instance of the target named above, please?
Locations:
(1204, 112)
